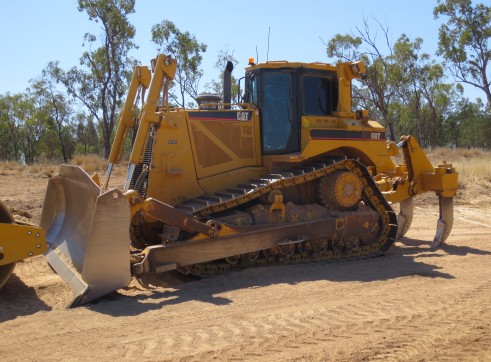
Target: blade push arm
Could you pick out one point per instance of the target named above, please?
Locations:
(140, 80)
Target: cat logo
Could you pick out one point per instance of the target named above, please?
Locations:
(242, 116)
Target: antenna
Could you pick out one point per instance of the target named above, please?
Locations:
(267, 53)
(257, 56)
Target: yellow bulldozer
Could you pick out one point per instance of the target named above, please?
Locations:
(288, 175)
(17, 242)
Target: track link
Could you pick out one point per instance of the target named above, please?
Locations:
(233, 197)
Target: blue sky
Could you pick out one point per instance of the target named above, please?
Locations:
(36, 32)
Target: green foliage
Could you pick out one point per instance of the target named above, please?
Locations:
(464, 41)
(216, 86)
(469, 126)
(86, 135)
(57, 114)
(100, 82)
(187, 51)
(403, 87)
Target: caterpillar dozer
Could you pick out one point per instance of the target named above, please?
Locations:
(288, 175)
(17, 242)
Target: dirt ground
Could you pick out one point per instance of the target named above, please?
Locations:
(413, 304)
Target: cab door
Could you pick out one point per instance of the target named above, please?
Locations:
(279, 113)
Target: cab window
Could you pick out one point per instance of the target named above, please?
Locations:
(319, 95)
(276, 112)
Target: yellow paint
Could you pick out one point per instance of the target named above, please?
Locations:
(18, 242)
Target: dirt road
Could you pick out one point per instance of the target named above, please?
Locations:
(413, 304)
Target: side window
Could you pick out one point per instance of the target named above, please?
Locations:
(251, 89)
(319, 96)
(253, 85)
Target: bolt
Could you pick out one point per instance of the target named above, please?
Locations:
(30, 253)
(29, 232)
(38, 235)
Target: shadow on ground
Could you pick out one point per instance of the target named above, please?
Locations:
(17, 299)
(403, 260)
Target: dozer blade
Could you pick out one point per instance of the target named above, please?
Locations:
(405, 217)
(445, 221)
(87, 232)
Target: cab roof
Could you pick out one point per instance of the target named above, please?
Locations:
(278, 64)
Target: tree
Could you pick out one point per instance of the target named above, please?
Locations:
(10, 126)
(403, 87)
(385, 74)
(57, 111)
(464, 41)
(86, 134)
(187, 51)
(101, 81)
(469, 125)
(425, 94)
(21, 126)
(216, 86)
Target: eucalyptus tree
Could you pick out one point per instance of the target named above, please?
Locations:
(403, 87)
(216, 86)
(57, 113)
(86, 134)
(100, 81)
(10, 126)
(464, 42)
(385, 75)
(187, 51)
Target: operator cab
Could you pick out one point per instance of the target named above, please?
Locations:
(284, 92)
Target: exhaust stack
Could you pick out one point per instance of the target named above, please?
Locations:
(227, 84)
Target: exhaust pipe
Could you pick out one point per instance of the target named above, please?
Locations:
(227, 84)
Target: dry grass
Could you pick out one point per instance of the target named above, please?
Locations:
(474, 172)
(90, 163)
(472, 165)
(11, 166)
(44, 169)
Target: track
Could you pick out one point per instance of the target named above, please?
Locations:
(242, 194)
